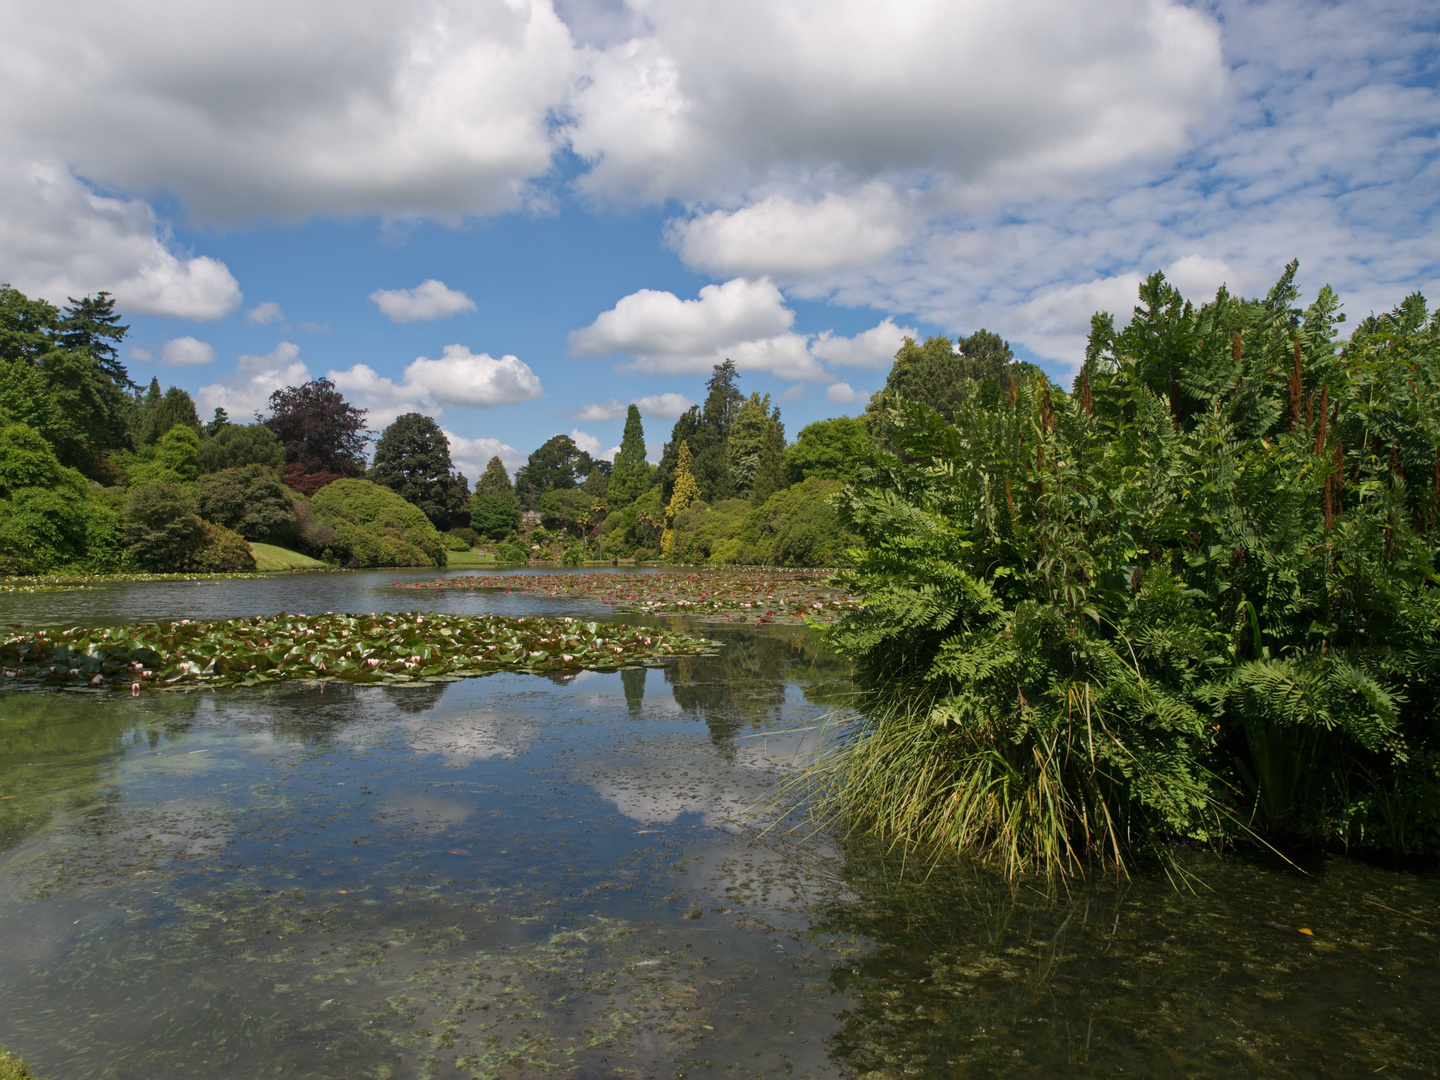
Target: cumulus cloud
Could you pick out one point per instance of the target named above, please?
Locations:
(873, 348)
(461, 377)
(844, 394)
(786, 239)
(471, 456)
(1029, 94)
(59, 238)
(186, 352)
(609, 409)
(255, 379)
(663, 406)
(426, 302)
(265, 314)
(585, 441)
(267, 109)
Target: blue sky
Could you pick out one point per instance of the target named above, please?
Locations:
(520, 217)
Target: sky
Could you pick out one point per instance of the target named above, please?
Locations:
(521, 216)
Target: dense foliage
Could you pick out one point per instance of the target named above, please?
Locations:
(319, 429)
(412, 459)
(375, 527)
(1195, 598)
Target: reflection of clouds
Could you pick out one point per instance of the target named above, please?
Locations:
(431, 814)
(469, 737)
(656, 783)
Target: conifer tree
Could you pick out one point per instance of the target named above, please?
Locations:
(631, 474)
(686, 492)
(770, 469)
(495, 481)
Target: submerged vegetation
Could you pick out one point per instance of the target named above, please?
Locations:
(767, 596)
(384, 648)
(1194, 599)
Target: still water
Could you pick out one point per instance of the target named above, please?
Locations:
(520, 876)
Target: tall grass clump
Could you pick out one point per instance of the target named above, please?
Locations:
(1195, 598)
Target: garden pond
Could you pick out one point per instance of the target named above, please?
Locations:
(555, 875)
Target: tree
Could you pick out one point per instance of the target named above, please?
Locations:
(235, 445)
(829, 449)
(494, 516)
(707, 432)
(685, 494)
(161, 529)
(631, 474)
(319, 429)
(174, 407)
(559, 463)
(749, 435)
(412, 459)
(770, 470)
(252, 501)
(219, 421)
(91, 326)
(495, 481)
(175, 459)
(942, 375)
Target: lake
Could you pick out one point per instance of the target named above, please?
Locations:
(522, 876)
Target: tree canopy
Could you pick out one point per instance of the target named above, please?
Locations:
(631, 474)
(412, 459)
(558, 463)
(319, 429)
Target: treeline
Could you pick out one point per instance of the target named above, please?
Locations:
(728, 490)
(98, 474)
(1194, 598)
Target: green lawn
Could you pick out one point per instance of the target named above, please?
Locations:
(269, 558)
(462, 559)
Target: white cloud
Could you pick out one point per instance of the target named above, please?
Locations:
(843, 394)
(265, 314)
(652, 323)
(186, 352)
(794, 394)
(461, 377)
(471, 456)
(873, 348)
(609, 409)
(255, 379)
(1030, 94)
(585, 441)
(426, 302)
(266, 109)
(58, 239)
(786, 239)
(663, 406)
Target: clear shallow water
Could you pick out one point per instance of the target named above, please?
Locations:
(517, 876)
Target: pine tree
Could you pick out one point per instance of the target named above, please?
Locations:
(770, 469)
(495, 481)
(91, 325)
(686, 492)
(631, 475)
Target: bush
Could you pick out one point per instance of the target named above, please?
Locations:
(222, 552)
(161, 529)
(564, 509)
(251, 501)
(469, 537)
(375, 527)
(514, 552)
(26, 460)
(494, 516)
(49, 516)
(311, 535)
(455, 543)
(236, 445)
(173, 460)
(1194, 599)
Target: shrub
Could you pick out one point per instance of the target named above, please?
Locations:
(514, 552)
(454, 543)
(222, 552)
(375, 527)
(311, 535)
(564, 509)
(1195, 599)
(236, 445)
(494, 516)
(251, 501)
(161, 529)
(308, 483)
(26, 460)
(469, 537)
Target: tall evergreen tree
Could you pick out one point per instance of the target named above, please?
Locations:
(707, 431)
(412, 459)
(770, 468)
(631, 474)
(495, 481)
(748, 437)
(175, 407)
(91, 326)
(685, 494)
(944, 376)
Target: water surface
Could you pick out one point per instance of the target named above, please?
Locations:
(527, 876)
